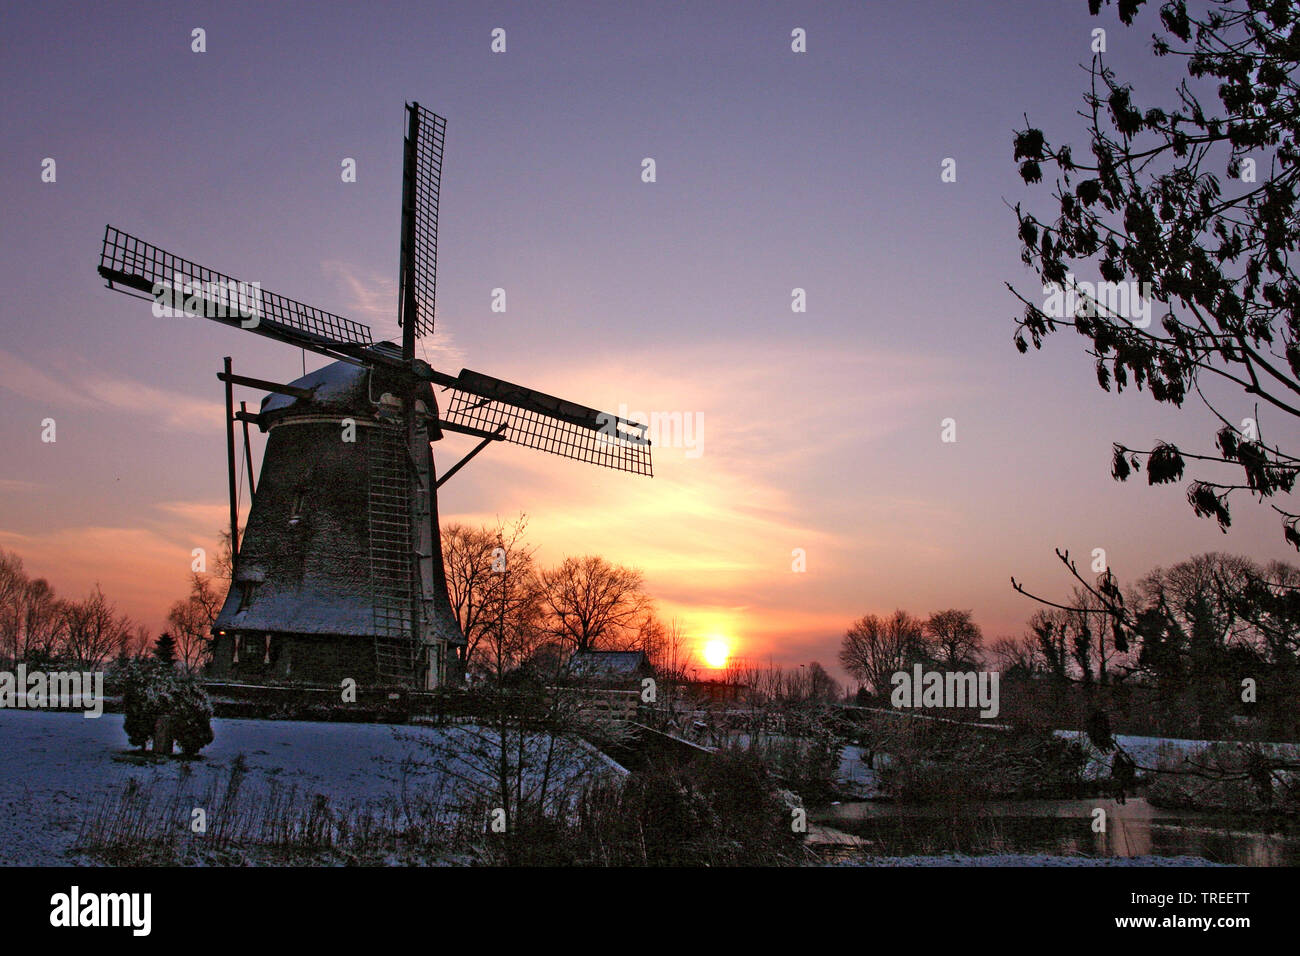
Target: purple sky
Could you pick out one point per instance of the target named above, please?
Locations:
(775, 170)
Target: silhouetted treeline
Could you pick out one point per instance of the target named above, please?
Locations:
(42, 629)
(1206, 648)
(38, 626)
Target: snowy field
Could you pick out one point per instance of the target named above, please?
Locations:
(855, 778)
(1146, 751)
(56, 768)
(861, 782)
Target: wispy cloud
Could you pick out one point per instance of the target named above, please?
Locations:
(371, 297)
(74, 560)
(196, 517)
(715, 534)
(95, 390)
(160, 548)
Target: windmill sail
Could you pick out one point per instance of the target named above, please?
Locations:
(421, 179)
(186, 288)
(481, 404)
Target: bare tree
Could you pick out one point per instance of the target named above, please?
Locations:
(1048, 629)
(1014, 655)
(875, 647)
(590, 603)
(652, 637)
(191, 623)
(490, 577)
(139, 642)
(822, 687)
(30, 615)
(668, 652)
(954, 638)
(40, 620)
(13, 580)
(94, 630)
(224, 566)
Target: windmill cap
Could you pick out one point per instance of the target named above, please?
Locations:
(342, 389)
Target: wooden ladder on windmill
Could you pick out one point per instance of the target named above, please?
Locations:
(391, 550)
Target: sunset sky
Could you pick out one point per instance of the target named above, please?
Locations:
(775, 170)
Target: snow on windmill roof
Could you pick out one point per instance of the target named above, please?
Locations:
(340, 387)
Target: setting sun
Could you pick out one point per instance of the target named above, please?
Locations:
(716, 653)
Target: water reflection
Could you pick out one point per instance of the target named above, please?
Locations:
(1064, 827)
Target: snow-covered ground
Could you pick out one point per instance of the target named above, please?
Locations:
(855, 777)
(1146, 751)
(56, 768)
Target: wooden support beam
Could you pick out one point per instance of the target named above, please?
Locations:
(264, 385)
(491, 437)
(228, 378)
(248, 451)
(469, 430)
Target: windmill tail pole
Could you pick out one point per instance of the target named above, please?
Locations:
(230, 466)
(248, 451)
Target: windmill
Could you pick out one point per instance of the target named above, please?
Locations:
(339, 571)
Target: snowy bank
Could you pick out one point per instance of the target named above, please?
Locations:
(56, 769)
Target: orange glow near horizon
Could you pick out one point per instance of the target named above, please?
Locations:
(757, 543)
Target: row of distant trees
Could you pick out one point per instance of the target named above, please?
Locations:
(875, 647)
(778, 684)
(1193, 615)
(512, 610)
(1187, 634)
(39, 626)
(1183, 619)
(1205, 639)
(1194, 641)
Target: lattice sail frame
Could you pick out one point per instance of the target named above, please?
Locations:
(537, 420)
(422, 179)
(172, 280)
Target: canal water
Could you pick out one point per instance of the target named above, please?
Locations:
(1062, 827)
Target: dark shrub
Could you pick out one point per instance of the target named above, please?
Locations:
(951, 762)
(193, 715)
(153, 688)
(717, 811)
(720, 810)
